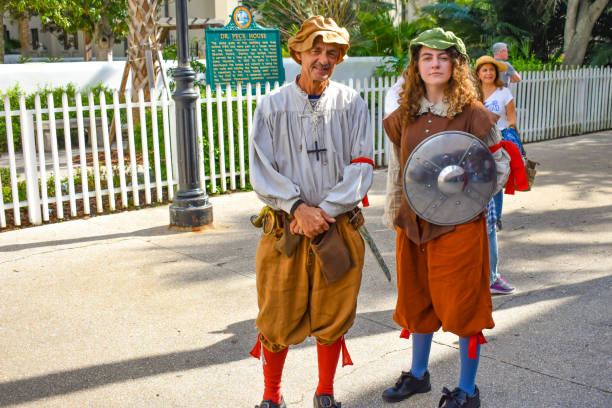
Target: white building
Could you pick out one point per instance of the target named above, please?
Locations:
(55, 45)
(47, 44)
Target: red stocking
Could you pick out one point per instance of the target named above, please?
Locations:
(273, 371)
(328, 361)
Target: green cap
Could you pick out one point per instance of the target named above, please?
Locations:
(438, 39)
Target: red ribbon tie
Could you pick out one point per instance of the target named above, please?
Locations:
(475, 340)
(256, 351)
(346, 357)
(405, 334)
(367, 160)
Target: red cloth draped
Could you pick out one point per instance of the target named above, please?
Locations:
(518, 175)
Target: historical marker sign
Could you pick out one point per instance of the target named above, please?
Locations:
(243, 51)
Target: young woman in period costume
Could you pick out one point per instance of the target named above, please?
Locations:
(442, 271)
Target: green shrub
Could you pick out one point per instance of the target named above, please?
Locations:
(7, 191)
(5, 176)
(11, 45)
(215, 125)
(160, 138)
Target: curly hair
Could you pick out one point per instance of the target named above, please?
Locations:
(497, 82)
(460, 90)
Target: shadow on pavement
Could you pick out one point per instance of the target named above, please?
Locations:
(147, 232)
(243, 335)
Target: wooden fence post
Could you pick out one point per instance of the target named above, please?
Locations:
(29, 159)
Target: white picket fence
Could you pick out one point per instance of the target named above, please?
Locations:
(549, 104)
(563, 102)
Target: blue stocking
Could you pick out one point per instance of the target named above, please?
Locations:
(467, 378)
(421, 346)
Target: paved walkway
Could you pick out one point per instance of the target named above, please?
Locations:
(119, 311)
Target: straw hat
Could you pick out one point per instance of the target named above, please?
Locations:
(316, 26)
(485, 59)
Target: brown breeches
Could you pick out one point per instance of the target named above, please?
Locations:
(445, 282)
(295, 301)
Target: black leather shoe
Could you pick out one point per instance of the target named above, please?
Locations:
(270, 404)
(459, 399)
(325, 401)
(406, 386)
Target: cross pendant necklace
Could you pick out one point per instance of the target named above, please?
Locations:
(316, 150)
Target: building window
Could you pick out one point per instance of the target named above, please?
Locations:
(66, 40)
(35, 40)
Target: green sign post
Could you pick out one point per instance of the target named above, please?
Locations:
(243, 51)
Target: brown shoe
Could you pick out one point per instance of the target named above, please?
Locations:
(325, 401)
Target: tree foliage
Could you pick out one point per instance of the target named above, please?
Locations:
(19, 8)
(288, 15)
(101, 20)
(479, 23)
(532, 28)
(83, 15)
(70, 16)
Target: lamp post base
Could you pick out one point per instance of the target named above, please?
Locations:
(191, 212)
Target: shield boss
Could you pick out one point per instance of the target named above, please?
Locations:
(449, 178)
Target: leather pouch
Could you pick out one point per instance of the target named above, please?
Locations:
(356, 218)
(530, 169)
(332, 253)
(288, 242)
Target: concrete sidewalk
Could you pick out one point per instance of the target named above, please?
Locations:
(119, 311)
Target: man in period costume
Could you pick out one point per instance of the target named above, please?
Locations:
(311, 164)
(442, 270)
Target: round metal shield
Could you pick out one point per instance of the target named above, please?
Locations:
(449, 178)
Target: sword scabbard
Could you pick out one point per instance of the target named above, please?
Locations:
(365, 234)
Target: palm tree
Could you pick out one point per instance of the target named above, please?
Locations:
(288, 15)
(142, 37)
(2, 35)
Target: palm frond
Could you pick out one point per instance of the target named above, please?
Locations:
(451, 11)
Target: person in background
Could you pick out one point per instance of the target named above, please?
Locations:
(499, 100)
(438, 94)
(311, 164)
(498, 285)
(500, 53)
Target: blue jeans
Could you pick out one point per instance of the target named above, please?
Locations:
(493, 256)
(511, 135)
(499, 202)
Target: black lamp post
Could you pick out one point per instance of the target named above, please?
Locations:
(190, 207)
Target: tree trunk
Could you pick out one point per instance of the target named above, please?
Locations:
(104, 39)
(24, 36)
(87, 46)
(142, 36)
(2, 36)
(580, 20)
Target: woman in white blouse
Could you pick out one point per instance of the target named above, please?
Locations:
(498, 99)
